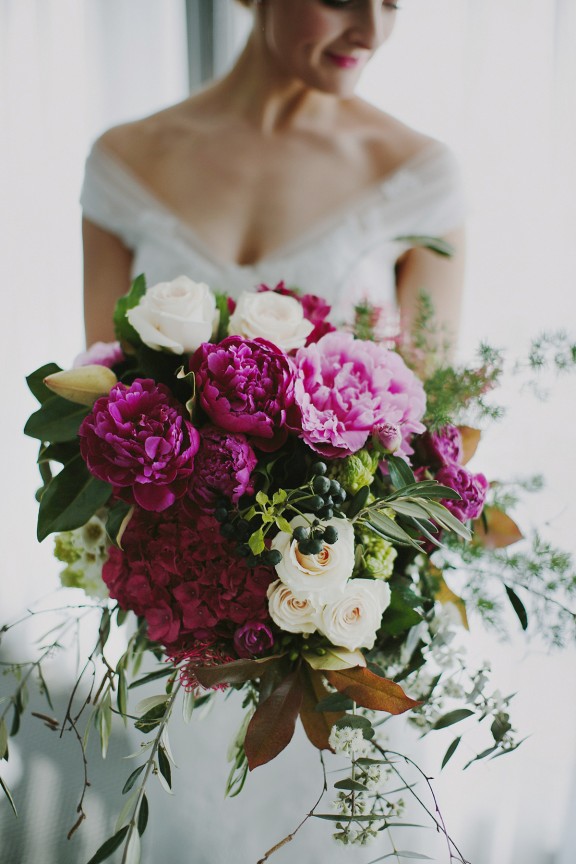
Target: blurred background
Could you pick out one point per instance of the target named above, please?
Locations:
(496, 81)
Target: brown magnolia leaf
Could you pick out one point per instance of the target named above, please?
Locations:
(334, 658)
(236, 672)
(370, 690)
(470, 440)
(317, 724)
(444, 594)
(502, 530)
(272, 725)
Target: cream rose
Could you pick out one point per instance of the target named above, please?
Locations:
(321, 575)
(351, 620)
(268, 315)
(292, 613)
(176, 316)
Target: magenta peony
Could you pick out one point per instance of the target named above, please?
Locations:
(222, 467)
(345, 386)
(443, 447)
(245, 386)
(472, 489)
(177, 571)
(137, 439)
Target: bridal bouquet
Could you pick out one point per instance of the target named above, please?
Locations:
(267, 503)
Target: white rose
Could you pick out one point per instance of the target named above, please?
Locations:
(175, 316)
(351, 621)
(320, 575)
(289, 612)
(272, 316)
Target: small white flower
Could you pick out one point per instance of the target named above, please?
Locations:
(351, 620)
(348, 741)
(322, 576)
(292, 612)
(175, 316)
(268, 315)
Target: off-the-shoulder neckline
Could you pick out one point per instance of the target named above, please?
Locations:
(411, 166)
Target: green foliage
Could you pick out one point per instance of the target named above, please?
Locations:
(122, 327)
(57, 420)
(36, 384)
(70, 499)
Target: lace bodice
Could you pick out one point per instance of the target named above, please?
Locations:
(348, 257)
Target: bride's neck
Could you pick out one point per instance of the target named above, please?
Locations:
(259, 92)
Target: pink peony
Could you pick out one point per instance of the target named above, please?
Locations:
(345, 386)
(100, 354)
(177, 571)
(222, 467)
(472, 489)
(138, 439)
(245, 386)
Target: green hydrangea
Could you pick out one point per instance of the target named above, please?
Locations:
(378, 555)
(355, 471)
(84, 551)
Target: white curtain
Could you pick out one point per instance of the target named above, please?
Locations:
(496, 80)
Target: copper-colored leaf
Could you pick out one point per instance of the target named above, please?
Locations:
(444, 594)
(470, 441)
(502, 530)
(371, 691)
(317, 724)
(236, 672)
(272, 726)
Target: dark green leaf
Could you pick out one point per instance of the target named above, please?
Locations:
(389, 529)
(15, 720)
(401, 614)
(152, 676)
(330, 817)
(8, 796)
(143, 815)
(358, 502)
(451, 750)
(400, 472)
(132, 779)
(151, 719)
(500, 726)
(62, 453)
(56, 421)
(481, 755)
(70, 499)
(36, 384)
(452, 717)
(116, 521)
(518, 607)
(109, 846)
(351, 785)
(434, 244)
(3, 738)
(416, 856)
(356, 721)
(222, 304)
(164, 766)
(122, 327)
(122, 697)
(335, 702)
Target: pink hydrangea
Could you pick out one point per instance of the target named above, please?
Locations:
(222, 467)
(245, 386)
(137, 439)
(472, 489)
(345, 386)
(177, 571)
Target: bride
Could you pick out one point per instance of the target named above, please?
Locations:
(275, 172)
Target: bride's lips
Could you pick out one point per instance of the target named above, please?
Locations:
(343, 61)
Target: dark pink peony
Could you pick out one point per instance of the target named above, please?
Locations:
(472, 489)
(253, 639)
(245, 386)
(177, 571)
(345, 387)
(137, 439)
(222, 467)
(443, 447)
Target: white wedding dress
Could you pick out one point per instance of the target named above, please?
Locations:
(348, 257)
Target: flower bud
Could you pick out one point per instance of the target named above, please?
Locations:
(388, 436)
(82, 385)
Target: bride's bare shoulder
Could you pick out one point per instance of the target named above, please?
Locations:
(389, 141)
(141, 143)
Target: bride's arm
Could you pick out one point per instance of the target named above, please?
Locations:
(107, 268)
(420, 270)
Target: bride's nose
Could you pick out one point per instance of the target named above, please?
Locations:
(368, 30)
